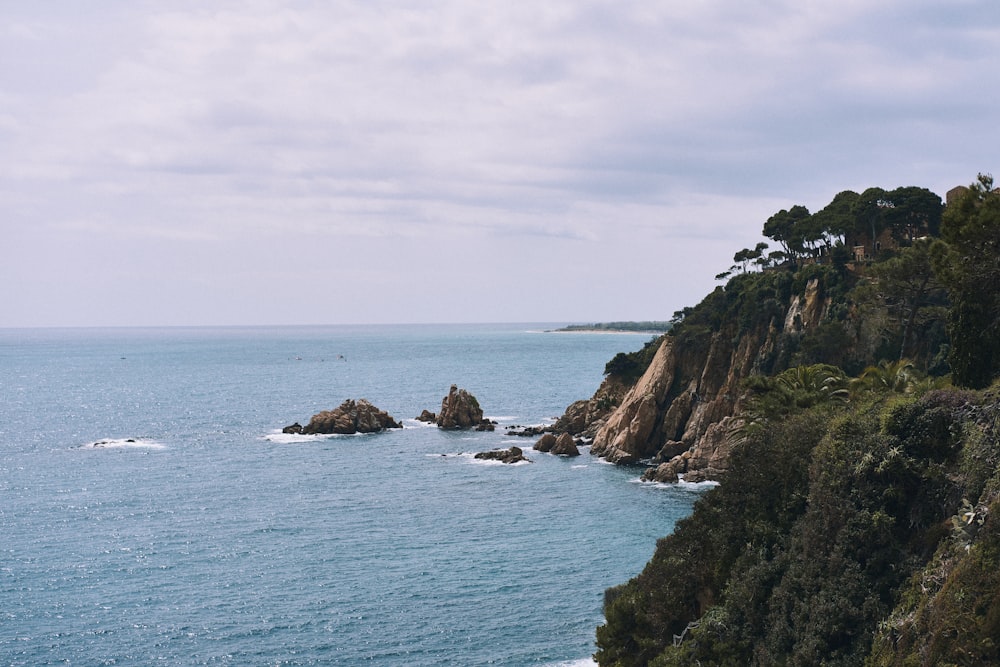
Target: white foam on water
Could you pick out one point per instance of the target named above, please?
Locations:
(707, 484)
(583, 662)
(416, 423)
(292, 438)
(123, 443)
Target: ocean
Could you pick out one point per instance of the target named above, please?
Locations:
(152, 512)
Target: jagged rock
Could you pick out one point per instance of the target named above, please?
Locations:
(666, 473)
(486, 425)
(669, 450)
(293, 428)
(351, 417)
(512, 455)
(545, 443)
(565, 446)
(585, 418)
(628, 432)
(690, 392)
(528, 431)
(427, 416)
(459, 409)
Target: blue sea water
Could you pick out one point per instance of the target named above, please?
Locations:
(151, 511)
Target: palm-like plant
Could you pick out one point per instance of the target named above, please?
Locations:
(899, 377)
(810, 385)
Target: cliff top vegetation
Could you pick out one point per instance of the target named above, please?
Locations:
(859, 522)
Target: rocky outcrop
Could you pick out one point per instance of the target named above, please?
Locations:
(427, 416)
(680, 413)
(512, 455)
(351, 417)
(565, 446)
(585, 418)
(460, 410)
(545, 443)
(631, 431)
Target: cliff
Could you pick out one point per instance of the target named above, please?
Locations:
(852, 411)
(681, 409)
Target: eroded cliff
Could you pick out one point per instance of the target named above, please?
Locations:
(681, 410)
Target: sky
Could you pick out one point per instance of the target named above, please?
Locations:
(391, 161)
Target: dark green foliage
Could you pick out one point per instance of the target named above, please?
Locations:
(865, 532)
(752, 512)
(970, 268)
(801, 554)
(630, 366)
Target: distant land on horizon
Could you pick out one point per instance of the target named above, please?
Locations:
(636, 327)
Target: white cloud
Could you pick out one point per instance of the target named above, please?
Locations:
(574, 124)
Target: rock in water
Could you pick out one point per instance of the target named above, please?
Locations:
(565, 446)
(512, 455)
(351, 417)
(459, 409)
(427, 416)
(545, 443)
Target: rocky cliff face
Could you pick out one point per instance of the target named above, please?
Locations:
(681, 411)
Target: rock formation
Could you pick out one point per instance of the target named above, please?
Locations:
(545, 443)
(427, 416)
(680, 413)
(512, 455)
(460, 410)
(351, 417)
(565, 446)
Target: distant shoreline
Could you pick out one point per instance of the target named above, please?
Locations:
(648, 327)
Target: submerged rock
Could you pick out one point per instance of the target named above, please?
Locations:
(351, 417)
(512, 455)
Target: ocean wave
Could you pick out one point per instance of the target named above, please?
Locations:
(679, 484)
(582, 662)
(707, 484)
(123, 443)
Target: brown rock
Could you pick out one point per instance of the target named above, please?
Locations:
(459, 409)
(427, 416)
(545, 443)
(351, 417)
(512, 455)
(565, 446)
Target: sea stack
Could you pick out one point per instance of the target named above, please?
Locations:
(460, 410)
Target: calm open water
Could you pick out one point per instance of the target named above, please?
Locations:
(213, 539)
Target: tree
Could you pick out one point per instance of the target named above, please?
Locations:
(908, 283)
(836, 220)
(914, 212)
(970, 268)
(781, 227)
(868, 211)
(744, 257)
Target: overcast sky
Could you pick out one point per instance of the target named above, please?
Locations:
(279, 162)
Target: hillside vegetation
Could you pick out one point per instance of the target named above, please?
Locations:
(859, 520)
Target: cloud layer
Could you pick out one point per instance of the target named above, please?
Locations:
(265, 162)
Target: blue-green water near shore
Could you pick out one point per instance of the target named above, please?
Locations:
(198, 534)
